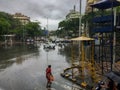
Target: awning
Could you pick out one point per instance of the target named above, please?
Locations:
(105, 4)
(82, 38)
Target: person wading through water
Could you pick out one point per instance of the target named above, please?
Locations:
(48, 76)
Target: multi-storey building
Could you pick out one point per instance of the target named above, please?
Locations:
(23, 19)
(89, 2)
(72, 14)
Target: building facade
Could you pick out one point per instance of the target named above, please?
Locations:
(89, 2)
(23, 19)
(72, 14)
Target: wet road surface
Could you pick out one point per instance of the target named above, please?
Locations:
(27, 71)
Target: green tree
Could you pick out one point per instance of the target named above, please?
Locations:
(32, 29)
(68, 27)
(8, 24)
(4, 26)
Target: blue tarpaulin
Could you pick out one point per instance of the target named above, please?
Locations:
(105, 4)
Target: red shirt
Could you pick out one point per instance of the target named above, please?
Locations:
(48, 71)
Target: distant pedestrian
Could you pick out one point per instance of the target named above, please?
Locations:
(48, 76)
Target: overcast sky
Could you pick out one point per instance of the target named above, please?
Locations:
(40, 10)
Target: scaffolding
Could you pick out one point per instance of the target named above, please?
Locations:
(83, 73)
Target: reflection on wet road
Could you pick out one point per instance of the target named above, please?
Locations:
(25, 70)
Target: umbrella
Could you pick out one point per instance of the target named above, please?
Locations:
(82, 38)
(114, 76)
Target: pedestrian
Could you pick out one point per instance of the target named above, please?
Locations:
(48, 76)
(110, 85)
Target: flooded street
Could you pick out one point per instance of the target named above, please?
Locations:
(22, 67)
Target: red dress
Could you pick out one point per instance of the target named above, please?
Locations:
(48, 73)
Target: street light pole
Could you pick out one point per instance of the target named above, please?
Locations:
(114, 39)
(47, 23)
(80, 31)
(80, 20)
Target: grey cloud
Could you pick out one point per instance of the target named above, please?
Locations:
(53, 9)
